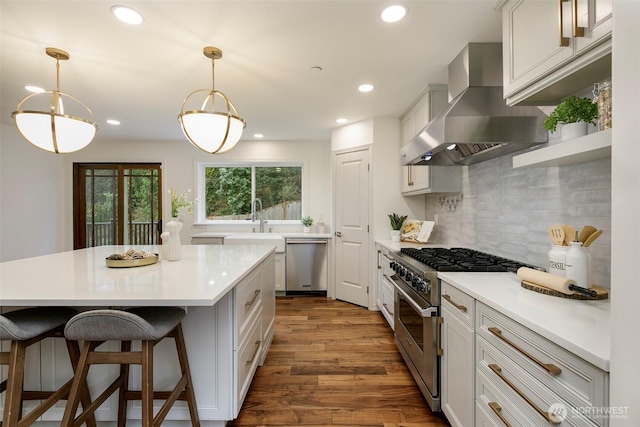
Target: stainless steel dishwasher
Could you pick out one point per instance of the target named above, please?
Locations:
(306, 266)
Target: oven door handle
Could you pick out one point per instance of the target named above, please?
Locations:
(424, 312)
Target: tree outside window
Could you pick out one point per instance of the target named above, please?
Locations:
(229, 191)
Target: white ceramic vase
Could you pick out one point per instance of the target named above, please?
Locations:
(395, 235)
(306, 229)
(173, 250)
(573, 130)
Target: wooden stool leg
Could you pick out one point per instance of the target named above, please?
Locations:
(186, 371)
(13, 397)
(147, 383)
(79, 381)
(85, 398)
(125, 346)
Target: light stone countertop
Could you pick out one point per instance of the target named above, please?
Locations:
(286, 235)
(581, 327)
(203, 275)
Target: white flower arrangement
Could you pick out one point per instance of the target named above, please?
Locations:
(179, 201)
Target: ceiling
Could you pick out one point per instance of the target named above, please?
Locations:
(140, 75)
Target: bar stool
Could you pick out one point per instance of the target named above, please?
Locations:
(149, 325)
(24, 328)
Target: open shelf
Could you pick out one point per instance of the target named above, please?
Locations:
(587, 148)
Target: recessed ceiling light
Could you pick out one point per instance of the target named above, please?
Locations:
(258, 135)
(113, 122)
(127, 15)
(341, 120)
(393, 13)
(365, 87)
(34, 89)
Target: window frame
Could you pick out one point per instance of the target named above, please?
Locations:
(199, 211)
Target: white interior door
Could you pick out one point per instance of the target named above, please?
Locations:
(351, 192)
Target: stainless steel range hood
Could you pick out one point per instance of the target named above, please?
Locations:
(477, 124)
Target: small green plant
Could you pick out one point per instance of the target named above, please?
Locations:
(396, 220)
(307, 221)
(179, 201)
(572, 110)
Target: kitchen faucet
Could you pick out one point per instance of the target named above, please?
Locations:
(258, 202)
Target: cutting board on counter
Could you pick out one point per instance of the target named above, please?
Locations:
(602, 293)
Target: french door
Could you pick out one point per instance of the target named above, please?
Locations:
(116, 204)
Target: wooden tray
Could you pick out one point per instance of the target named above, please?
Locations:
(602, 292)
(126, 263)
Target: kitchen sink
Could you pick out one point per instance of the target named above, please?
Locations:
(257, 239)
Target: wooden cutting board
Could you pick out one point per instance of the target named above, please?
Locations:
(602, 293)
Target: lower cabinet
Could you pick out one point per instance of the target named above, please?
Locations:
(385, 294)
(497, 372)
(458, 358)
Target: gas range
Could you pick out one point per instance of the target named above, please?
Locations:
(418, 267)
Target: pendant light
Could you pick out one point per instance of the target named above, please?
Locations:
(47, 125)
(213, 131)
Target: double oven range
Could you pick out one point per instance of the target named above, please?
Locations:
(417, 305)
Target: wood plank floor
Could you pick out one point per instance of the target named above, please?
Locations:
(332, 363)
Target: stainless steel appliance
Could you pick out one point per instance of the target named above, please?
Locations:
(306, 266)
(417, 306)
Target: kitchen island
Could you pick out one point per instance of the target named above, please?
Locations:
(229, 293)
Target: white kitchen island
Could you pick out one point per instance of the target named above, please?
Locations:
(229, 293)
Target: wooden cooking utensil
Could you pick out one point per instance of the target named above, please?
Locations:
(556, 234)
(591, 238)
(569, 234)
(585, 232)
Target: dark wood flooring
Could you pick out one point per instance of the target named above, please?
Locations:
(333, 364)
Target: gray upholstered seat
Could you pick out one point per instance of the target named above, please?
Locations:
(28, 323)
(142, 323)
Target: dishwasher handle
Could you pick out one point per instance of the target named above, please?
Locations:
(300, 242)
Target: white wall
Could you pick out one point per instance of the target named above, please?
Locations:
(31, 198)
(625, 206)
(36, 198)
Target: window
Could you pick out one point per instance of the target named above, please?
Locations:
(116, 204)
(229, 189)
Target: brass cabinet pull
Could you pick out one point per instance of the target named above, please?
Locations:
(255, 352)
(577, 31)
(439, 349)
(564, 41)
(498, 371)
(384, 304)
(497, 409)
(255, 295)
(387, 257)
(409, 181)
(550, 368)
(460, 307)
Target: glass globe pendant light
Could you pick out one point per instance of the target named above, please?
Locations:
(213, 131)
(51, 128)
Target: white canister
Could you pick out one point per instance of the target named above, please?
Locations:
(577, 265)
(557, 258)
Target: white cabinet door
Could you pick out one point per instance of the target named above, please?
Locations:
(457, 373)
(431, 179)
(269, 277)
(280, 272)
(531, 42)
(596, 18)
(415, 179)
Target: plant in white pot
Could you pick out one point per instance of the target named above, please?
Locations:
(574, 114)
(396, 222)
(307, 222)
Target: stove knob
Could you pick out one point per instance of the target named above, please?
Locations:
(410, 276)
(392, 265)
(422, 286)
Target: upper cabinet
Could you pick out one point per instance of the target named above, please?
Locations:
(554, 48)
(427, 179)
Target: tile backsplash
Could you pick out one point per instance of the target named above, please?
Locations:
(507, 211)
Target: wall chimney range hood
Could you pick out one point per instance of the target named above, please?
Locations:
(477, 124)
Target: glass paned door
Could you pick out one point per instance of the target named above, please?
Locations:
(117, 204)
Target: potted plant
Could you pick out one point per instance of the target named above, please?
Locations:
(574, 114)
(307, 222)
(396, 222)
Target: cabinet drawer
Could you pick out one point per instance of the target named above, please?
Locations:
(531, 396)
(387, 299)
(384, 259)
(460, 304)
(576, 381)
(247, 358)
(498, 408)
(248, 294)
